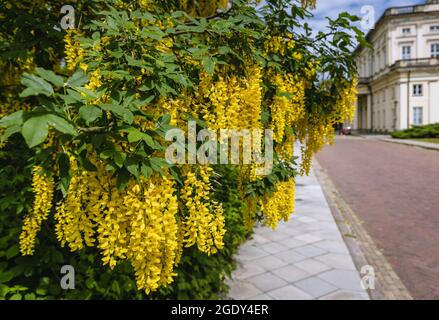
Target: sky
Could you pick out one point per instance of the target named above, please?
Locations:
(332, 8)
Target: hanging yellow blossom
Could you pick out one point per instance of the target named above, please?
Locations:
(288, 105)
(204, 224)
(42, 186)
(279, 205)
(73, 52)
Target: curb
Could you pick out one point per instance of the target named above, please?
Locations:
(388, 285)
(407, 143)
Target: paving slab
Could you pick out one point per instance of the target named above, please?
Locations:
(306, 258)
(289, 292)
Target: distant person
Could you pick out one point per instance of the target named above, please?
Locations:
(340, 129)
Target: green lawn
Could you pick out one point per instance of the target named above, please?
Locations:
(431, 140)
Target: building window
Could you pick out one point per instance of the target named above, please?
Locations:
(393, 93)
(435, 50)
(434, 28)
(384, 95)
(406, 30)
(417, 115)
(406, 52)
(417, 89)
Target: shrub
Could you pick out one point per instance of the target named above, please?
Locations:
(418, 132)
(38, 276)
(85, 112)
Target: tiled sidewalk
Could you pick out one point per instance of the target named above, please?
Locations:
(305, 258)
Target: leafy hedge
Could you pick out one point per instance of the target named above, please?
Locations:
(418, 132)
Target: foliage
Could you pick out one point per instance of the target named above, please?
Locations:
(93, 105)
(418, 132)
(38, 276)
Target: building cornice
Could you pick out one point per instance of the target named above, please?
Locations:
(397, 12)
(423, 64)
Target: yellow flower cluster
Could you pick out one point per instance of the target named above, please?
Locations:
(203, 8)
(315, 132)
(73, 52)
(144, 4)
(288, 105)
(139, 225)
(152, 246)
(345, 106)
(42, 186)
(11, 72)
(318, 129)
(204, 223)
(277, 44)
(280, 45)
(95, 80)
(75, 225)
(232, 103)
(279, 205)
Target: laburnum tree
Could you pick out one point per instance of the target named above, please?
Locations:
(85, 111)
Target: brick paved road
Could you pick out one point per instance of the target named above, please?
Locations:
(394, 189)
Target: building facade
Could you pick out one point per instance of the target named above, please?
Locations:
(399, 77)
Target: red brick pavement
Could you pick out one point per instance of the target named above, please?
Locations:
(394, 190)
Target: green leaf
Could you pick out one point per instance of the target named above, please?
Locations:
(90, 113)
(4, 289)
(77, 79)
(209, 65)
(152, 32)
(132, 165)
(135, 135)
(64, 164)
(119, 158)
(35, 86)
(149, 141)
(106, 154)
(89, 94)
(163, 120)
(30, 296)
(90, 283)
(117, 54)
(9, 132)
(16, 296)
(61, 125)
(35, 131)
(41, 291)
(224, 50)
(158, 163)
(50, 76)
(146, 170)
(6, 276)
(128, 116)
(14, 119)
(122, 179)
(12, 251)
(134, 62)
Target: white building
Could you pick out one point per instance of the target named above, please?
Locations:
(399, 79)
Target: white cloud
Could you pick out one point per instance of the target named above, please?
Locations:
(332, 8)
